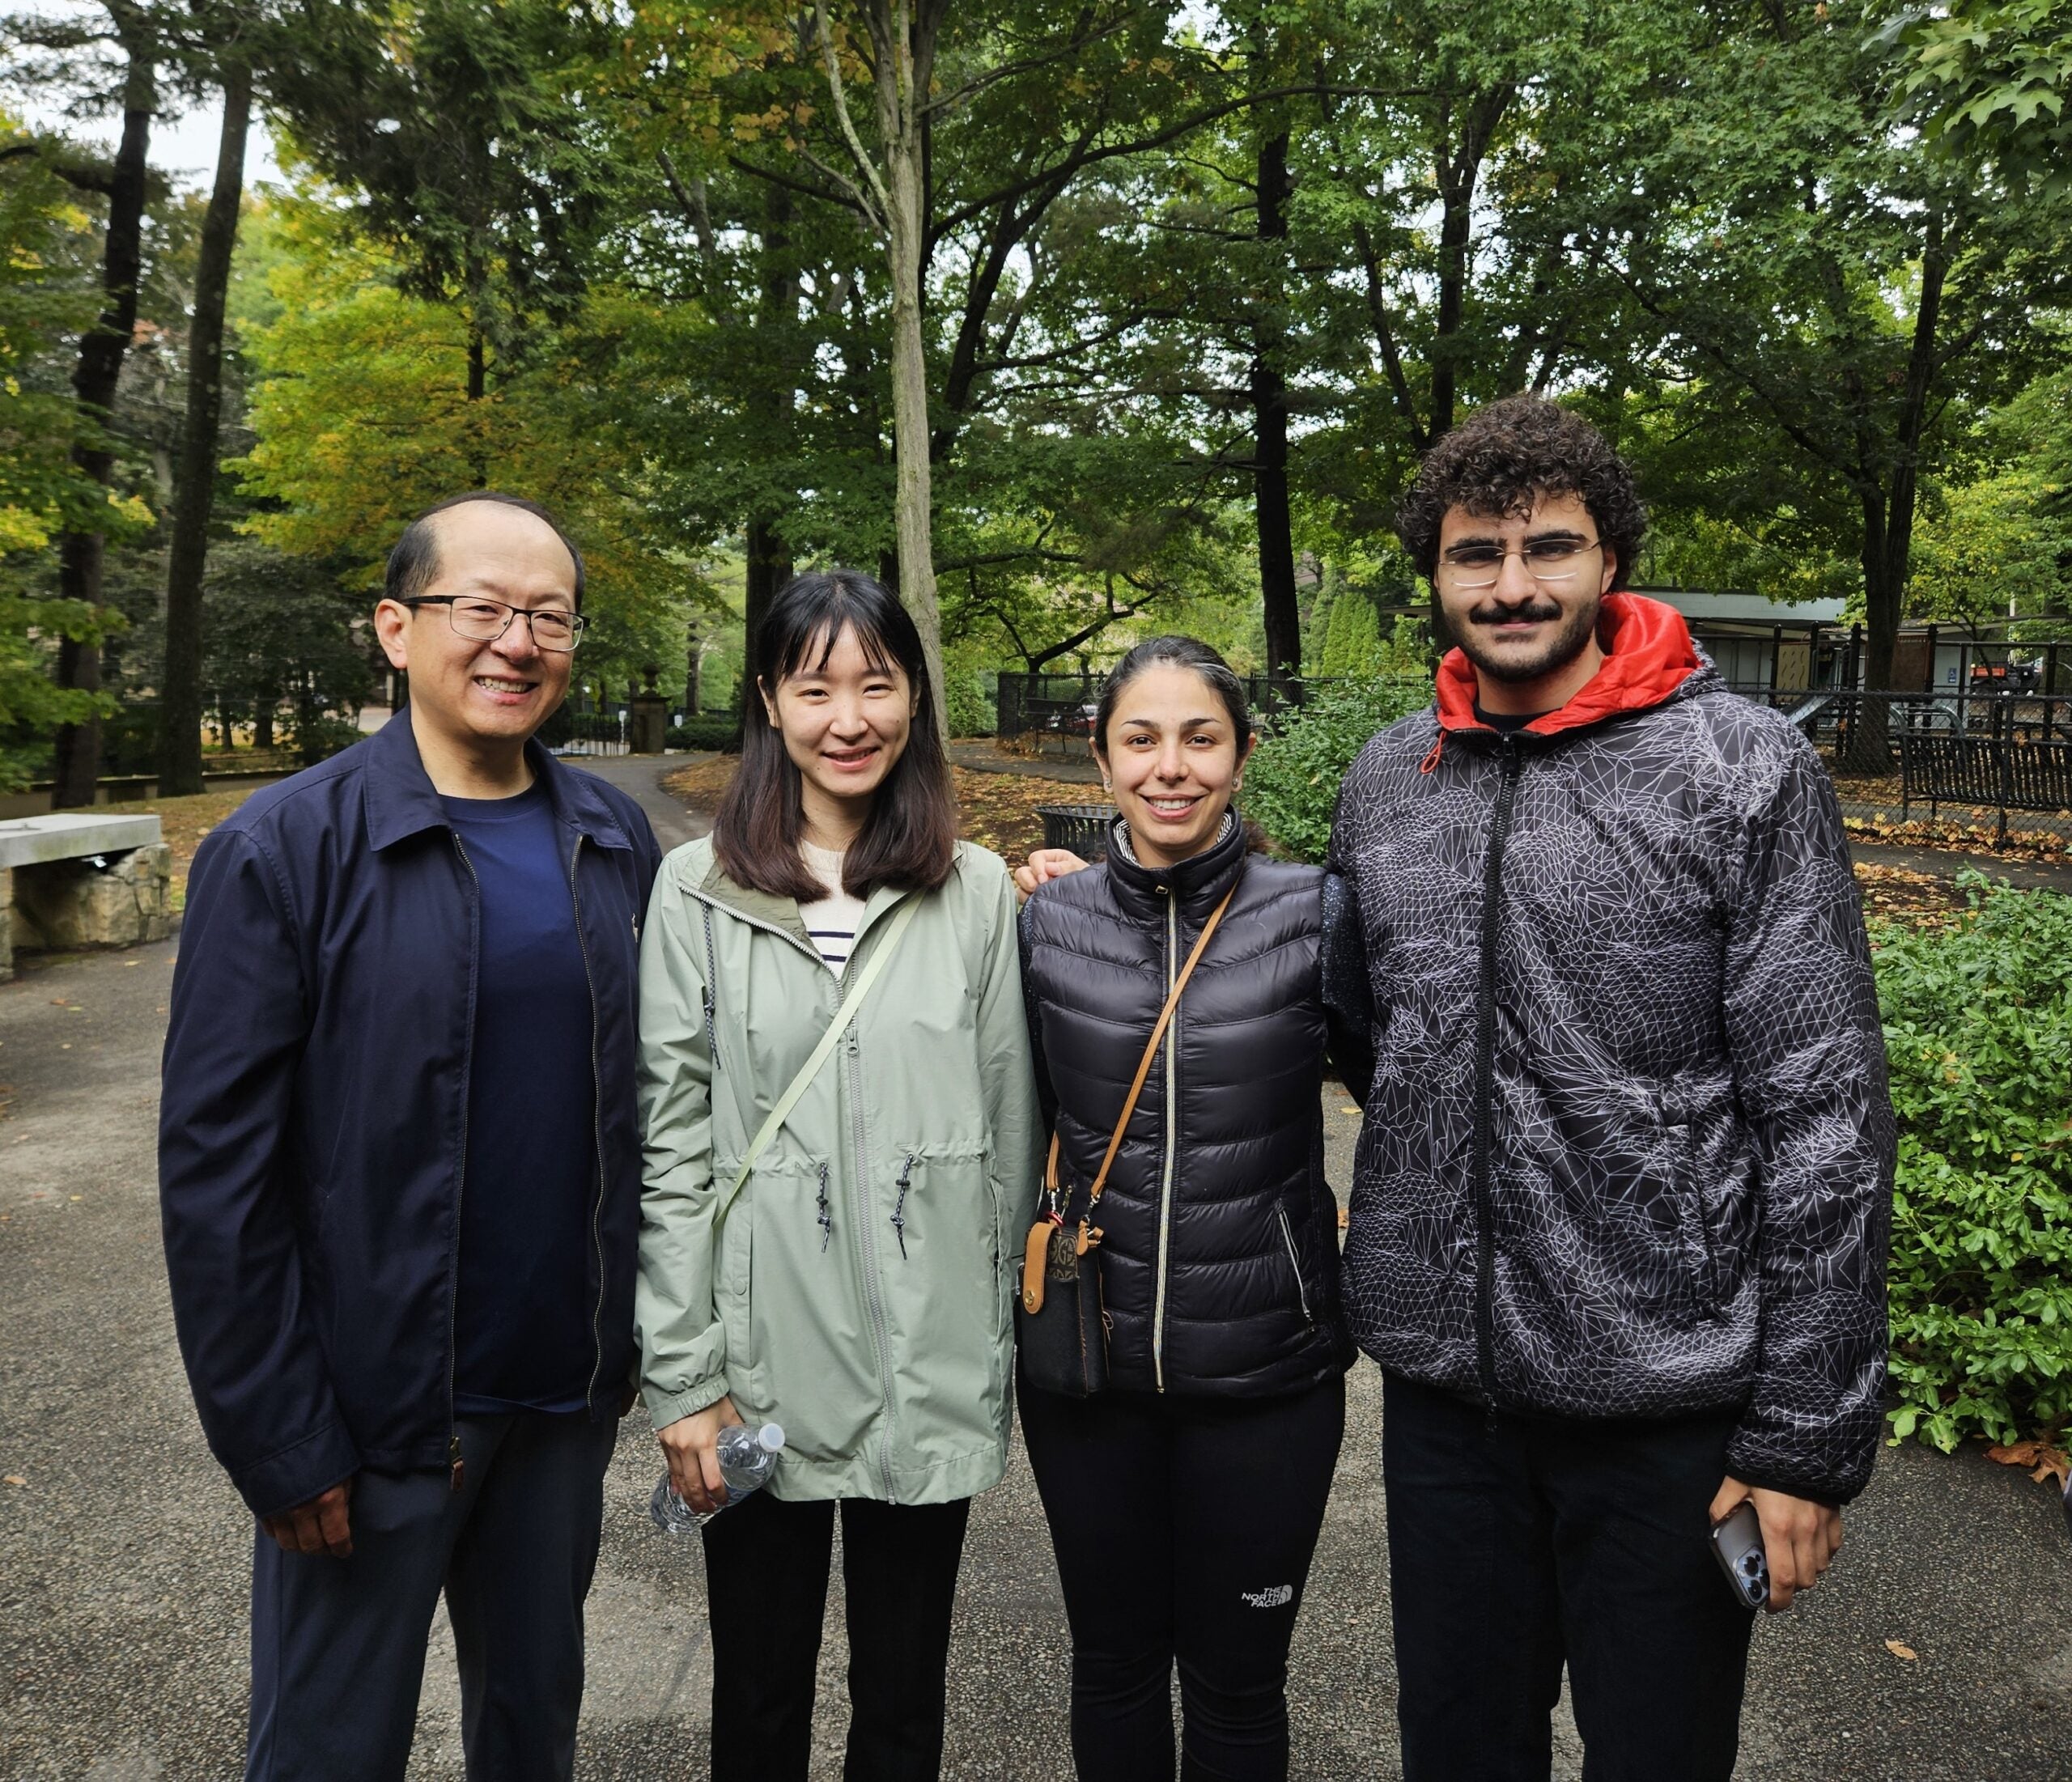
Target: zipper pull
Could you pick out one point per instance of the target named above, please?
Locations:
(459, 1467)
(900, 1207)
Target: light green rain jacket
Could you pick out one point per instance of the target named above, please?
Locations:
(859, 1289)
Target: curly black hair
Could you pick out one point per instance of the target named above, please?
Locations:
(1508, 455)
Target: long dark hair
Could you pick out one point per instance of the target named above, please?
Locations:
(910, 837)
(1178, 652)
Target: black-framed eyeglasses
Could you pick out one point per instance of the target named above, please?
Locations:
(1469, 568)
(484, 621)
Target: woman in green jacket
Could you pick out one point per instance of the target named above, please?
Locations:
(851, 1278)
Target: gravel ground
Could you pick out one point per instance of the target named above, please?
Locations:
(123, 1554)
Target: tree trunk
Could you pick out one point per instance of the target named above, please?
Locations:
(902, 35)
(769, 569)
(1888, 515)
(94, 379)
(1279, 599)
(179, 710)
(913, 502)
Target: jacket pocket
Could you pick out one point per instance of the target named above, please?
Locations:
(947, 1293)
(1695, 1227)
(1295, 1266)
(791, 1292)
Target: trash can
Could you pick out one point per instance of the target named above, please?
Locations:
(1082, 828)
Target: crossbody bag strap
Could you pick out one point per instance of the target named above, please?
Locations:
(1151, 1051)
(873, 967)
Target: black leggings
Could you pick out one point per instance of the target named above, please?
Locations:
(1183, 1529)
(766, 1583)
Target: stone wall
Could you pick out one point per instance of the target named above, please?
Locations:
(66, 904)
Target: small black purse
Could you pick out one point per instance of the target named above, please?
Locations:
(1061, 1323)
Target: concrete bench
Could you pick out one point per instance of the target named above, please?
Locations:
(76, 879)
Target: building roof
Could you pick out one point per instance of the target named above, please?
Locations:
(1733, 606)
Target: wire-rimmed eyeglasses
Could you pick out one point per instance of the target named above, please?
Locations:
(485, 620)
(1470, 568)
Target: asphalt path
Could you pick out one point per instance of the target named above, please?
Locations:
(124, 1555)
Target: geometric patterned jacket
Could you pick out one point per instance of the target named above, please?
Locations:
(1627, 1149)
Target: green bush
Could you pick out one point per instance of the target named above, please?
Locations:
(971, 699)
(1978, 1029)
(707, 730)
(1291, 786)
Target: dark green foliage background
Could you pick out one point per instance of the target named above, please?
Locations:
(1978, 1028)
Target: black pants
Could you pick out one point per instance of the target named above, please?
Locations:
(766, 1580)
(1183, 1530)
(1517, 1544)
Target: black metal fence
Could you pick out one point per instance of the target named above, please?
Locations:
(1980, 756)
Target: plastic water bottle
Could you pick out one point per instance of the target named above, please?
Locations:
(747, 1458)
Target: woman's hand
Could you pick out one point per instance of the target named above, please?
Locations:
(1044, 865)
(691, 1445)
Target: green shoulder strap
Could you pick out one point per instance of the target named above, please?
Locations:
(881, 958)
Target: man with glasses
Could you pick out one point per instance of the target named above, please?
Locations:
(1622, 1193)
(400, 1174)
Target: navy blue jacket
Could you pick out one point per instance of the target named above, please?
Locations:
(313, 1132)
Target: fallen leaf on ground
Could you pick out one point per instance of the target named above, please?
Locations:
(2043, 1461)
(1899, 1649)
(16, 1478)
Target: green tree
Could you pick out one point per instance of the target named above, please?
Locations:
(1990, 81)
(361, 421)
(1830, 289)
(45, 491)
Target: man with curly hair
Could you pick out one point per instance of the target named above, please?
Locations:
(1621, 1199)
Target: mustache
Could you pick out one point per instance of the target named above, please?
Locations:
(1490, 612)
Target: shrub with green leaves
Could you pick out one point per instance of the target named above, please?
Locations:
(1291, 786)
(1978, 1028)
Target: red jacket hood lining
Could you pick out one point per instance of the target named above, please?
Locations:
(1648, 655)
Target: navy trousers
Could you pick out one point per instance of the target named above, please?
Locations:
(338, 1645)
(1519, 1545)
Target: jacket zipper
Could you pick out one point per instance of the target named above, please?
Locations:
(597, 1131)
(1485, 1075)
(879, 1333)
(455, 1467)
(1301, 1292)
(1172, 1121)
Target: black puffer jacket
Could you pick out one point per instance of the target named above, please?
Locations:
(1219, 1267)
(1628, 1148)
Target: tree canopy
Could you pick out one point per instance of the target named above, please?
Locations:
(1072, 325)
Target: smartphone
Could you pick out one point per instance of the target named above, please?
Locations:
(1738, 1544)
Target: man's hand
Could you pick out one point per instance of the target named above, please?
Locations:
(1800, 1538)
(321, 1525)
(1044, 865)
(691, 1445)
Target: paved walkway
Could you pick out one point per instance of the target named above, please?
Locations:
(640, 777)
(123, 1624)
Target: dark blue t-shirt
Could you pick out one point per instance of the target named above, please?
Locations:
(522, 1322)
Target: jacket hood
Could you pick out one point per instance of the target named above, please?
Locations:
(1648, 655)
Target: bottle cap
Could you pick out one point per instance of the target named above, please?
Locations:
(770, 1438)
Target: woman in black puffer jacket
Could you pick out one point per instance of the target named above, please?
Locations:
(1184, 1502)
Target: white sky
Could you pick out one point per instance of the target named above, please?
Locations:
(182, 147)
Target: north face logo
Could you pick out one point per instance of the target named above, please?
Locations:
(1277, 1595)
